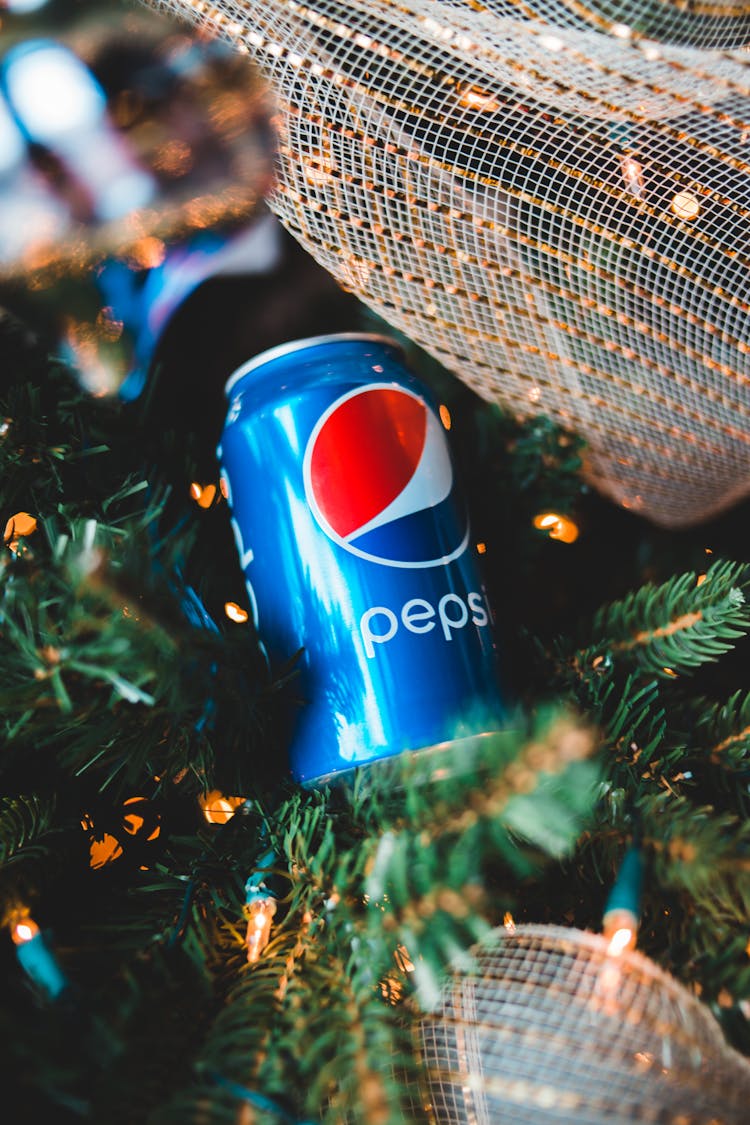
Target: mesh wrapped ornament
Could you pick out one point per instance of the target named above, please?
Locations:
(550, 203)
(160, 138)
(552, 1029)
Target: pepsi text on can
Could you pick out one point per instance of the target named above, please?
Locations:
(419, 616)
(355, 547)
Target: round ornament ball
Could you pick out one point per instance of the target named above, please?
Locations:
(551, 1027)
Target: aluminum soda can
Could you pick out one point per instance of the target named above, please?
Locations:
(356, 549)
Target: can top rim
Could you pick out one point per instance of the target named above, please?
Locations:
(279, 350)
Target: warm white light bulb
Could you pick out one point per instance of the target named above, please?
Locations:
(620, 941)
(24, 932)
(685, 205)
(259, 914)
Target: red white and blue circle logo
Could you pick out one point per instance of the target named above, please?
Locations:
(379, 480)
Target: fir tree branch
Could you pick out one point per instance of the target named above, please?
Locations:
(382, 884)
(359, 1062)
(701, 852)
(141, 1033)
(112, 682)
(636, 726)
(426, 876)
(450, 790)
(255, 1037)
(428, 898)
(630, 715)
(678, 626)
(723, 730)
(24, 822)
(34, 849)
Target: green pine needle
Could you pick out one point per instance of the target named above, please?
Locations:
(674, 628)
(722, 730)
(25, 823)
(701, 852)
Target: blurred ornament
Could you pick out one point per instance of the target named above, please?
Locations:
(553, 206)
(31, 216)
(554, 1026)
(146, 294)
(22, 7)
(130, 831)
(60, 107)
(139, 136)
(134, 162)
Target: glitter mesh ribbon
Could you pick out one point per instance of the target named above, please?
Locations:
(551, 1027)
(550, 197)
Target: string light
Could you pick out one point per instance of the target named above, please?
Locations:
(685, 205)
(140, 821)
(621, 916)
(218, 809)
(620, 923)
(621, 934)
(24, 930)
(620, 931)
(236, 613)
(34, 956)
(203, 494)
(557, 527)
(259, 916)
(259, 909)
(632, 174)
(18, 527)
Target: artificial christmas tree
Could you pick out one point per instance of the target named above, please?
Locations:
(190, 936)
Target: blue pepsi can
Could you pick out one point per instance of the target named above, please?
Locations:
(356, 549)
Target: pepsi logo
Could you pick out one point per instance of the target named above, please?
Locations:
(379, 480)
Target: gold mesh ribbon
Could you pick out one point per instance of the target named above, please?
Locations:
(548, 198)
(552, 1028)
